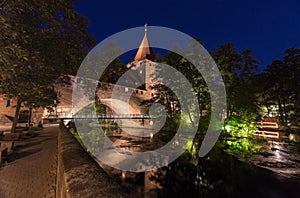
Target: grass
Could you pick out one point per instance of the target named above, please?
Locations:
(35, 128)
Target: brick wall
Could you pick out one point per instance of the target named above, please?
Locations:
(10, 111)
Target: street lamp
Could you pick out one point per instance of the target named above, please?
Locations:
(55, 106)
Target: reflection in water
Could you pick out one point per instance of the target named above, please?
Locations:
(216, 175)
(281, 156)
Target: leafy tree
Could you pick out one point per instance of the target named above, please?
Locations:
(238, 71)
(276, 87)
(113, 71)
(41, 42)
(280, 82)
(167, 96)
(229, 62)
(292, 61)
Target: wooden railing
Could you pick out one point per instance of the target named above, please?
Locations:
(268, 134)
(270, 125)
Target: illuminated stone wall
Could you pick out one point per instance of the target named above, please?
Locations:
(8, 113)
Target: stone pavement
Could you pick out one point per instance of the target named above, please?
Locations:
(32, 171)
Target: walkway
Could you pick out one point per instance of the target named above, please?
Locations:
(32, 172)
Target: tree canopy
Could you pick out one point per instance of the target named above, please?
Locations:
(41, 42)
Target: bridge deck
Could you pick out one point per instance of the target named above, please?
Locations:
(119, 116)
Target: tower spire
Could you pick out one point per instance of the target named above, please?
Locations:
(144, 50)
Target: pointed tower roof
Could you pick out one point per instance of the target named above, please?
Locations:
(144, 51)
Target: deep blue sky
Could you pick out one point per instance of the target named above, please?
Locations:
(267, 27)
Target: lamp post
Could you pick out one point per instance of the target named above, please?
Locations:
(55, 106)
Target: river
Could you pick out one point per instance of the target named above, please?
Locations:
(273, 173)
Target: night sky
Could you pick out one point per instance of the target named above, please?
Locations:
(267, 27)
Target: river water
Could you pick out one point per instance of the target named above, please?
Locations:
(274, 173)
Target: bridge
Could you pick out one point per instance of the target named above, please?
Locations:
(270, 125)
(128, 103)
(122, 100)
(265, 131)
(121, 119)
(100, 116)
(268, 134)
(126, 106)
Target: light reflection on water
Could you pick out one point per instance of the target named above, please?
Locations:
(280, 156)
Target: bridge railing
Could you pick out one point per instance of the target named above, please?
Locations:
(271, 125)
(268, 134)
(101, 116)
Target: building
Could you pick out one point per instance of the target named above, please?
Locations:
(138, 81)
(7, 113)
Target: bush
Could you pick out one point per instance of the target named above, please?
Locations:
(239, 137)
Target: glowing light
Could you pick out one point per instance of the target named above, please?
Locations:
(123, 175)
(292, 137)
(151, 135)
(276, 146)
(270, 125)
(228, 128)
(269, 134)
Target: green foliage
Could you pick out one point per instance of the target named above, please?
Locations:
(39, 43)
(185, 176)
(280, 87)
(99, 108)
(239, 137)
(183, 106)
(172, 123)
(203, 123)
(238, 71)
(92, 137)
(77, 136)
(113, 72)
(35, 128)
(94, 108)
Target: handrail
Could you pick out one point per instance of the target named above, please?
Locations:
(101, 116)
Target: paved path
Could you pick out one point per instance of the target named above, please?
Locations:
(32, 172)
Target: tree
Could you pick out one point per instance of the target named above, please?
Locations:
(292, 61)
(238, 71)
(229, 62)
(41, 42)
(244, 92)
(185, 104)
(113, 71)
(277, 88)
(281, 86)
(165, 95)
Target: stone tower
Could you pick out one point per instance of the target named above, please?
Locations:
(143, 63)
